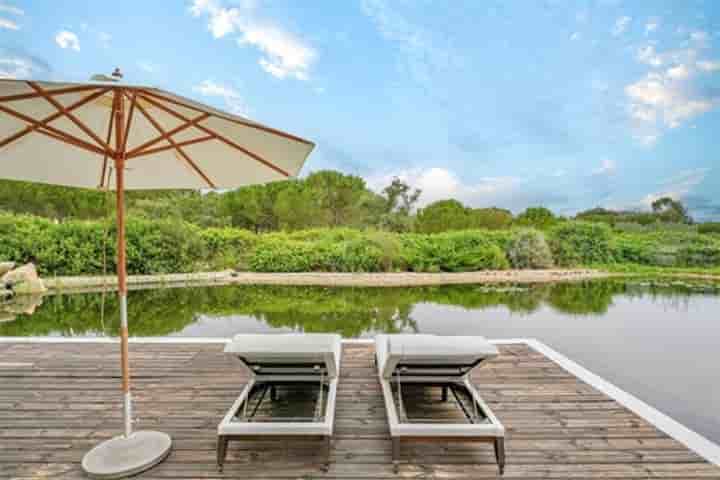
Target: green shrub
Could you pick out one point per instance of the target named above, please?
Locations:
(76, 247)
(277, 255)
(709, 227)
(452, 252)
(390, 250)
(162, 246)
(228, 247)
(581, 243)
(528, 249)
(668, 248)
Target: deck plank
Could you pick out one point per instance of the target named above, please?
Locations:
(59, 400)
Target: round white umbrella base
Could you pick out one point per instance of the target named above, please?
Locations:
(124, 456)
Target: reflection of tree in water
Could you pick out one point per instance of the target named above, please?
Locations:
(348, 311)
(584, 298)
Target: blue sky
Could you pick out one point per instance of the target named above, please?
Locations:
(509, 103)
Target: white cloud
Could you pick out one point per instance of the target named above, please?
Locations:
(709, 65)
(16, 63)
(678, 72)
(668, 98)
(607, 167)
(233, 100)
(66, 39)
(677, 187)
(659, 98)
(285, 55)
(441, 184)
(15, 68)
(648, 55)
(651, 26)
(8, 24)
(11, 9)
(425, 54)
(621, 25)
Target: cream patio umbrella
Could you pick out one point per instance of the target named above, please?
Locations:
(116, 136)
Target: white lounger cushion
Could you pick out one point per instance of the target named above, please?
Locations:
(425, 349)
(289, 348)
(434, 350)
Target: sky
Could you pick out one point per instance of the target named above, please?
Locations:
(567, 104)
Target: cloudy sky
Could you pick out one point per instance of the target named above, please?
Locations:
(569, 104)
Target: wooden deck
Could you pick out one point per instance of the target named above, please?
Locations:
(58, 400)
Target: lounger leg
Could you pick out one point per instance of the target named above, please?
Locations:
(273, 393)
(328, 446)
(444, 394)
(500, 453)
(222, 443)
(396, 454)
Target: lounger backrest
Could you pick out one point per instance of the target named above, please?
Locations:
(288, 354)
(431, 355)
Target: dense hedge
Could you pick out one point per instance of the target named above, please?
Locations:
(667, 249)
(462, 251)
(581, 243)
(166, 246)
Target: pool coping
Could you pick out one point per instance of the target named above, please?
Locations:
(705, 448)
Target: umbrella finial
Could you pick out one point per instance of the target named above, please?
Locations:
(117, 73)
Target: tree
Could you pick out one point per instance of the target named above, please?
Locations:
(341, 197)
(399, 201)
(297, 207)
(539, 217)
(400, 196)
(671, 211)
(491, 218)
(442, 216)
(252, 207)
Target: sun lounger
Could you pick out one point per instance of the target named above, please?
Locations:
(291, 392)
(428, 393)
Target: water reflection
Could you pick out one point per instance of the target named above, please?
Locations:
(351, 312)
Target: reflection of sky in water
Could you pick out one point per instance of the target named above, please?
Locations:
(226, 326)
(662, 348)
(666, 355)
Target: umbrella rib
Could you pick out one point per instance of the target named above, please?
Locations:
(140, 150)
(184, 143)
(219, 137)
(52, 117)
(233, 120)
(108, 138)
(126, 133)
(70, 115)
(53, 132)
(57, 91)
(180, 151)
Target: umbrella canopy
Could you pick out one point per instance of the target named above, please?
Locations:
(65, 134)
(116, 136)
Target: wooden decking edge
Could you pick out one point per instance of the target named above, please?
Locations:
(694, 441)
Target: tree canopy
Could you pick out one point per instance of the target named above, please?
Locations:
(322, 199)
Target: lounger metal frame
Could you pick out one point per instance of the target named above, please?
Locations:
(228, 429)
(490, 431)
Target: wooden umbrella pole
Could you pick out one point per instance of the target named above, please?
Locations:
(121, 261)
